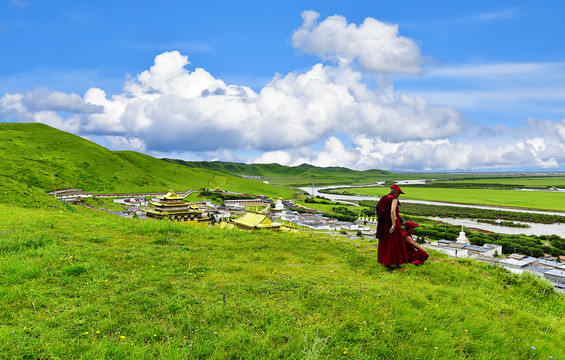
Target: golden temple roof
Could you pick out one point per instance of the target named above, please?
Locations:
(171, 195)
(257, 221)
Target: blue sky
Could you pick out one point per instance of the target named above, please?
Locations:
(405, 85)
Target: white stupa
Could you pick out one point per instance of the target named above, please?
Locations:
(279, 205)
(462, 238)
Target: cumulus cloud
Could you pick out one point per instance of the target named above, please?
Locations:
(43, 99)
(126, 143)
(171, 108)
(376, 46)
(371, 153)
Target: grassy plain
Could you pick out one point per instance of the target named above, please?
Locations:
(526, 181)
(86, 284)
(538, 200)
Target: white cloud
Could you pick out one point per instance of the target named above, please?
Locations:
(171, 109)
(126, 143)
(376, 46)
(275, 157)
(43, 99)
(431, 155)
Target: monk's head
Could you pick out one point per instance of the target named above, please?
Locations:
(410, 226)
(396, 190)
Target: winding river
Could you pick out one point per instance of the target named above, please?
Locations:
(534, 229)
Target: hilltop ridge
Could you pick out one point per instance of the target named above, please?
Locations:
(301, 175)
(42, 157)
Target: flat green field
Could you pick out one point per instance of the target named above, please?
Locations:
(538, 200)
(526, 181)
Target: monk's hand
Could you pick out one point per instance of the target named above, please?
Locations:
(391, 230)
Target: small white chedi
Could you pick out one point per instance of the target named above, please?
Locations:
(462, 237)
(279, 205)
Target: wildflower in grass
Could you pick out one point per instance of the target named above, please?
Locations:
(98, 332)
(425, 329)
(435, 347)
(534, 348)
(86, 333)
(122, 337)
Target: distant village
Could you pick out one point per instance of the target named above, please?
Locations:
(284, 215)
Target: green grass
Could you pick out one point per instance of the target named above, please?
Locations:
(86, 284)
(38, 156)
(538, 200)
(526, 181)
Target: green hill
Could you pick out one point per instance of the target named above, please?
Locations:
(90, 285)
(303, 175)
(41, 157)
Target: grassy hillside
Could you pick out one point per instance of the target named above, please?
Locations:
(90, 285)
(303, 175)
(42, 157)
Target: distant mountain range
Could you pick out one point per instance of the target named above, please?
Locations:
(302, 175)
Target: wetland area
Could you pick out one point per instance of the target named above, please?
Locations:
(532, 229)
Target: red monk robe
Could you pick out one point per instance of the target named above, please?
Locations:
(392, 247)
(415, 256)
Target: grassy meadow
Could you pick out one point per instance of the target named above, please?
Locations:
(526, 181)
(38, 156)
(86, 284)
(537, 200)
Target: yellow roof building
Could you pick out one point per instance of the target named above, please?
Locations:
(171, 206)
(254, 221)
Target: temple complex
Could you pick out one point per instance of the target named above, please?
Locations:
(171, 206)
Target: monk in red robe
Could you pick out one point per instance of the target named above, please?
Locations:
(414, 252)
(392, 248)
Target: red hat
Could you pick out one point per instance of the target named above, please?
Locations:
(396, 187)
(410, 224)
